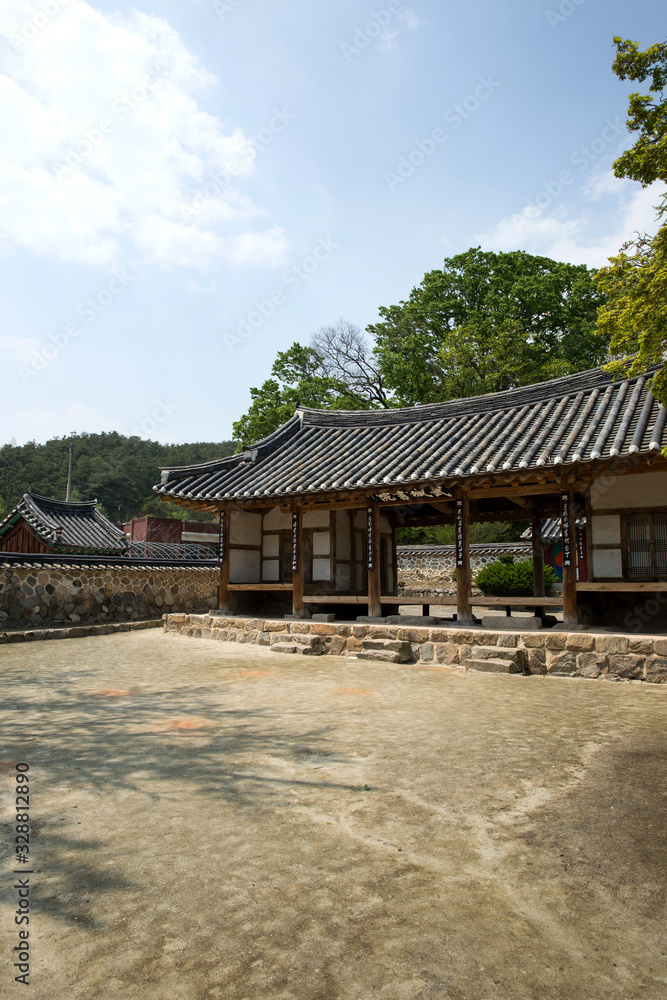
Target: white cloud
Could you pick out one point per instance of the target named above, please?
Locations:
(551, 232)
(104, 146)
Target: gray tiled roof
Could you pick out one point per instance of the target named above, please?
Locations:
(64, 525)
(551, 529)
(578, 418)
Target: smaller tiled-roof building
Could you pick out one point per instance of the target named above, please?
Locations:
(42, 525)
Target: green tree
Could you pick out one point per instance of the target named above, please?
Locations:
(487, 322)
(302, 376)
(646, 160)
(634, 316)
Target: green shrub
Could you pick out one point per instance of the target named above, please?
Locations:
(510, 579)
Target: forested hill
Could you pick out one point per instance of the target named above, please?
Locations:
(117, 471)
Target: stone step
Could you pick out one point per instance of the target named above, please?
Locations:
(498, 653)
(494, 665)
(396, 647)
(385, 655)
(295, 647)
(300, 638)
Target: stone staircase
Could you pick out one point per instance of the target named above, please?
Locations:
(387, 650)
(497, 660)
(307, 645)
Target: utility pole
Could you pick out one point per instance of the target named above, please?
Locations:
(69, 473)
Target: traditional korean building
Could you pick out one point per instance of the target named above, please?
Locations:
(41, 525)
(308, 516)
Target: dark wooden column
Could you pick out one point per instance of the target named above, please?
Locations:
(569, 558)
(373, 552)
(224, 600)
(538, 560)
(297, 564)
(463, 575)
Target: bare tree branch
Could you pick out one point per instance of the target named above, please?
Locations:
(346, 356)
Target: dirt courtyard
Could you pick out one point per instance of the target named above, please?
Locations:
(214, 820)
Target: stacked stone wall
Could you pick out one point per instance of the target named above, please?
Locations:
(577, 654)
(436, 562)
(44, 595)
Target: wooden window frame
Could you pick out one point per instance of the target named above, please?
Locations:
(625, 552)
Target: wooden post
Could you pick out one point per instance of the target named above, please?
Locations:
(538, 560)
(224, 599)
(463, 575)
(373, 553)
(297, 564)
(570, 618)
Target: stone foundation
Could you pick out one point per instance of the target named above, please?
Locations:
(38, 596)
(562, 654)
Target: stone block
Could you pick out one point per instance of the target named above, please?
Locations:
(537, 661)
(555, 640)
(515, 623)
(251, 636)
(591, 664)
(353, 645)
(628, 665)
(334, 645)
(643, 645)
(324, 618)
(515, 656)
(656, 670)
(344, 630)
(320, 628)
(611, 643)
(660, 647)
(411, 634)
(426, 652)
(264, 639)
(507, 640)
(412, 620)
(358, 631)
(534, 641)
(561, 663)
(252, 624)
(395, 645)
(485, 638)
(385, 655)
(492, 665)
(271, 625)
(443, 635)
(300, 627)
(370, 619)
(446, 652)
(578, 642)
(379, 632)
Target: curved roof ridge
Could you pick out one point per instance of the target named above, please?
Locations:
(268, 442)
(487, 402)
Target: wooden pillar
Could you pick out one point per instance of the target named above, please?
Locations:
(297, 564)
(224, 599)
(373, 553)
(569, 559)
(538, 560)
(463, 575)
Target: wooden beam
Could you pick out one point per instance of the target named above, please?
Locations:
(569, 559)
(463, 575)
(631, 586)
(260, 587)
(297, 564)
(224, 600)
(373, 553)
(538, 560)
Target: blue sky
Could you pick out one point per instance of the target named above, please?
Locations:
(188, 186)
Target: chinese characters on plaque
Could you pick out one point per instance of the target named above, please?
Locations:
(460, 562)
(371, 538)
(295, 541)
(565, 529)
(221, 549)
